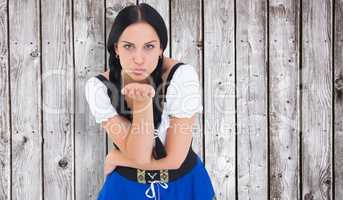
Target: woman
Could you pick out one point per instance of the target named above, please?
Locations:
(147, 103)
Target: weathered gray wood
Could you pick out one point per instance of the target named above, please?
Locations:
(90, 140)
(252, 100)
(163, 8)
(338, 99)
(284, 101)
(25, 81)
(186, 46)
(112, 9)
(219, 70)
(25, 93)
(5, 178)
(58, 99)
(317, 100)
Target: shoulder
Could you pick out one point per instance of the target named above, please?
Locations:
(184, 93)
(93, 84)
(94, 90)
(185, 73)
(98, 100)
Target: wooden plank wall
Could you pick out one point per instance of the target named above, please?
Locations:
(219, 92)
(337, 139)
(317, 95)
(272, 78)
(25, 96)
(90, 140)
(284, 87)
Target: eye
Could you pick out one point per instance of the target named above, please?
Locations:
(149, 46)
(127, 46)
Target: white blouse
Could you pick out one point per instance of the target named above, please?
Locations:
(183, 98)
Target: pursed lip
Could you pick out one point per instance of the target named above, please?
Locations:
(138, 70)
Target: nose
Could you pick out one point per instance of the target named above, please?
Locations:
(138, 57)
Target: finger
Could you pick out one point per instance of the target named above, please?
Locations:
(138, 92)
(142, 93)
(145, 92)
(152, 93)
(130, 93)
(128, 88)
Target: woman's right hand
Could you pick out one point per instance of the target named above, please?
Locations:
(139, 92)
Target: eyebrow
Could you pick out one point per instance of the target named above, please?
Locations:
(145, 43)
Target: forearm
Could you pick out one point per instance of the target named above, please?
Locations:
(118, 129)
(121, 160)
(139, 142)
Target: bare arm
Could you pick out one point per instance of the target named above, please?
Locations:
(140, 139)
(178, 142)
(118, 128)
(135, 140)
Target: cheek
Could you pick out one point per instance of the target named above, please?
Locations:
(125, 54)
(124, 58)
(153, 65)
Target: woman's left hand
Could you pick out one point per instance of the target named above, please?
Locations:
(110, 164)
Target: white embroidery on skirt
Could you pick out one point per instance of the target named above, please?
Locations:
(153, 194)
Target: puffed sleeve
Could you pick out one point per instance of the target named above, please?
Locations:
(183, 94)
(98, 100)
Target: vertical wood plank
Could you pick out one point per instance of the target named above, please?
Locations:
(187, 46)
(25, 81)
(338, 99)
(112, 9)
(163, 8)
(252, 100)
(5, 178)
(219, 70)
(284, 99)
(317, 100)
(58, 99)
(90, 140)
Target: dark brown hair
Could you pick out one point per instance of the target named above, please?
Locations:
(127, 16)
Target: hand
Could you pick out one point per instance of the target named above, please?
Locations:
(139, 91)
(110, 164)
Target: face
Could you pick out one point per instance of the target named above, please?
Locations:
(138, 48)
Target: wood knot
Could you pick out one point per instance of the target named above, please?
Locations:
(24, 139)
(308, 196)
(199, 44)
(34, 53)
(327, 182)
(63, 163)
(2, 164)
(339, 83)
(110, 11)
(279, 10)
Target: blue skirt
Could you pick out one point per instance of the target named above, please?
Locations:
(195, 185)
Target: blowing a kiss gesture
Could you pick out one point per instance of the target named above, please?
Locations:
(138, 96)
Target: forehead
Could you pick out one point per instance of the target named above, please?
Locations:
(137, 33)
